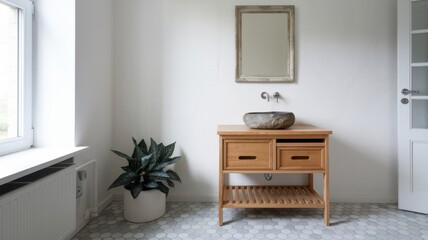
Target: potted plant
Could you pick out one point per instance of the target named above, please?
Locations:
(146, 183)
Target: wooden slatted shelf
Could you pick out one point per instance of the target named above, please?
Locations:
(271, 197)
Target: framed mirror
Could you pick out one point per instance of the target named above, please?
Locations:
(265, 43)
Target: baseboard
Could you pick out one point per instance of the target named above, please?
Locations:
(363, 199)
(180, 198)
(81, 225)
(193, 198)
(118, 197)
(105, 203)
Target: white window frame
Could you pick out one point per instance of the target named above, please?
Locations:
(25, 75)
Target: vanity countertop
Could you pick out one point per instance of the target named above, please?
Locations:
(295, 129)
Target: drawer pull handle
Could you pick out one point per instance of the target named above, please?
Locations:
(300, 158)
(247, 157)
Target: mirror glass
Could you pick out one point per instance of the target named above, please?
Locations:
(265, 43)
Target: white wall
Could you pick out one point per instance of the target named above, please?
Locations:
(94, 81)
(74, 78)
(174, 68)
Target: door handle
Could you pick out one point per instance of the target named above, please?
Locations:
(406, 91)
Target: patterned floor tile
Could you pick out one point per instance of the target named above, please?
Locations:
(191, 221)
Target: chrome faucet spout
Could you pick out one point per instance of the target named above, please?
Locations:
(265, 95)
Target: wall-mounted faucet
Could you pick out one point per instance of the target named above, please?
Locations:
(265, 95)
(275, 95)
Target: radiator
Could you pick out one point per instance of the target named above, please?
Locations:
(86, 197)
(41, 207)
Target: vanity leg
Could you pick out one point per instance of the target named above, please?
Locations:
(220, 183)
(220, 200)
(311, 180)
(220, 216)
(326, 201)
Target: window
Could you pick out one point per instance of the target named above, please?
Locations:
(15, 75)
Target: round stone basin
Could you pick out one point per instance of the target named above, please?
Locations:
(269, 120)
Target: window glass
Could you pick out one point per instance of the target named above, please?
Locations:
(9, 70)
(16, 44)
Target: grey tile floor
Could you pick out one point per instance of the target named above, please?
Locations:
(199, 221)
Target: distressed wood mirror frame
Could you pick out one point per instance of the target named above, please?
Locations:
(265, 44)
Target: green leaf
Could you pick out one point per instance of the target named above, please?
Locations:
(173, 175)
(158, 153)
(145, 161)
(173, 160)
(155, 159)
(169, 161)
(161, 146)
(167, 151)
(158, 174)
(134, 153)
(120, 154)
(126, 168)
(153, 145)
(138, 153)
(151, 185)
(136, 190)
(143, 146)
(170, 183)
(161, 187)
(123, 179)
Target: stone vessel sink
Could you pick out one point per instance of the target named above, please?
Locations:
(269, 120)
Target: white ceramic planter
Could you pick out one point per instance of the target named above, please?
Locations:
(148, 206)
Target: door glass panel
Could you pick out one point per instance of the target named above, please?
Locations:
(8, 71)
(419, 48)
(420, 80)
(419, 15)
(419, 113)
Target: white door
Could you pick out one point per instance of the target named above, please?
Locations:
(413, 105)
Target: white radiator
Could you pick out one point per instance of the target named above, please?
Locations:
(86, 197)
(42, 208)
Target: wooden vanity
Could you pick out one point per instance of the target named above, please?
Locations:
(299, 149)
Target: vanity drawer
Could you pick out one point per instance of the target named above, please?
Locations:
(247, 154)
(300, 158)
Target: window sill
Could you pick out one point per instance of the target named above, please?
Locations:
(16, 165)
